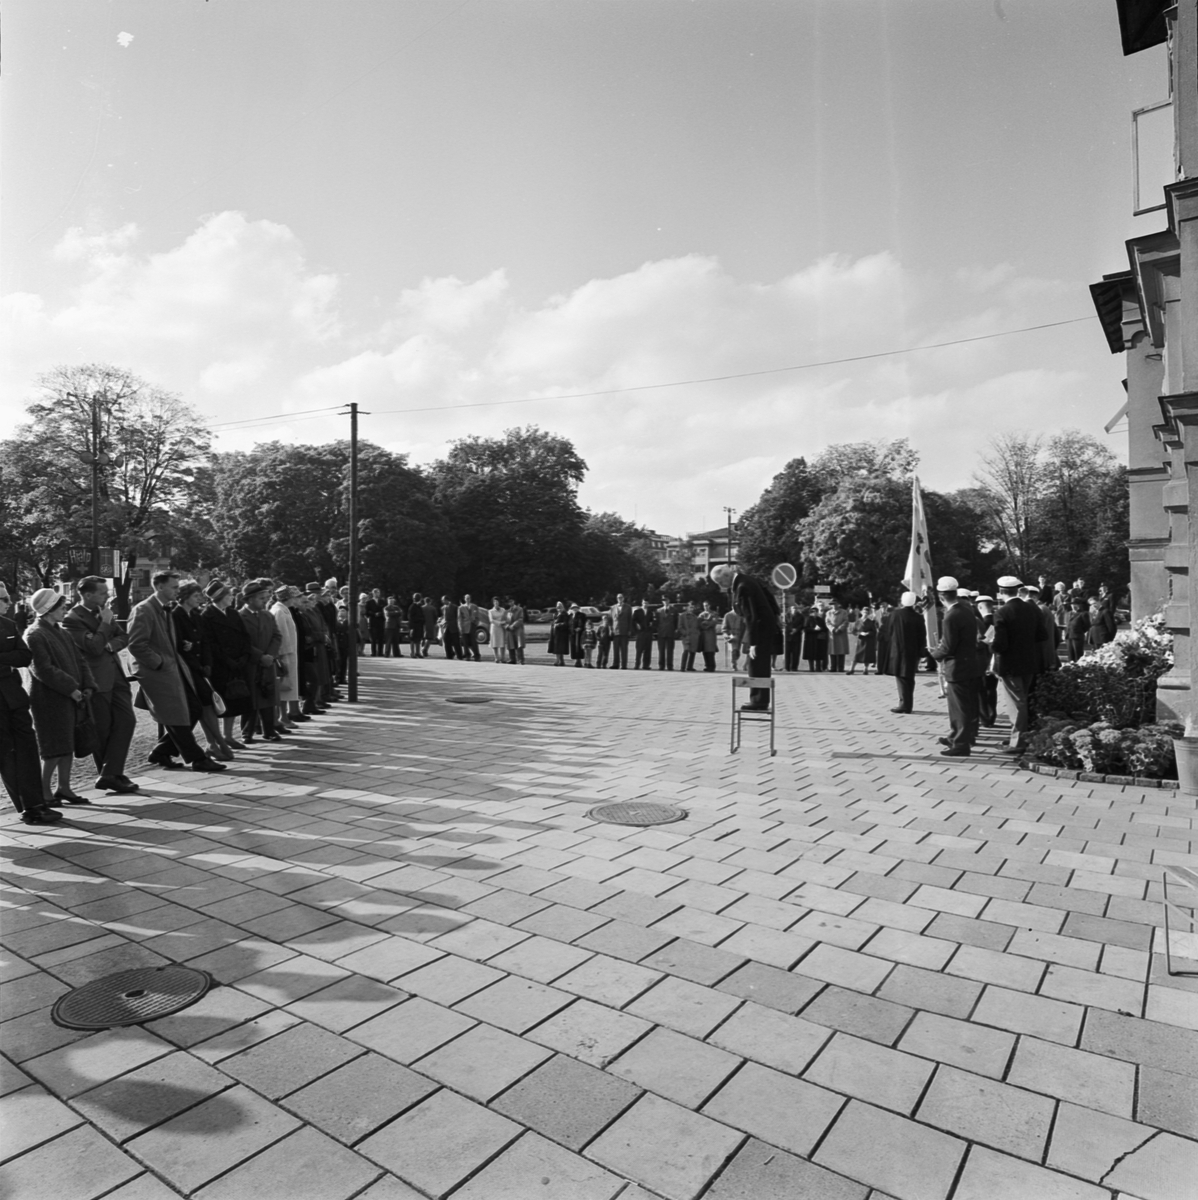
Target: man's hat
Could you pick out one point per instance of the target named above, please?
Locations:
(984, 599)
(907, 599)
(255, 586)
(946, 583)
(313, 587)
(1009, 583)
(217, 590)
(286, 592)
(1031, 589)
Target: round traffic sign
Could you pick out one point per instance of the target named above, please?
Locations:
(784, 576)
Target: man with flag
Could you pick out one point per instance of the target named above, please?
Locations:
(918, 577)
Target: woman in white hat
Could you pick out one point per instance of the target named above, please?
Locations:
(61, 684)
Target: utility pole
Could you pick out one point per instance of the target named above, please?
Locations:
(352, 640)
(731, 512)
(94, 568)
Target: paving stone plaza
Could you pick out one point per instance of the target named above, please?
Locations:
(854, 970)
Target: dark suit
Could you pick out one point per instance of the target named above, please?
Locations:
(644, 625)
(1018, 630)
(20, 765)
(958, 655)
(112, 701)
(376, 622)
(759, 610)
(1076, 629)
(667, 631)
(903, 644)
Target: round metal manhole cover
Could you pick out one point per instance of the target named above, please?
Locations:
(131, 997)
(469, 699)
(636, 812)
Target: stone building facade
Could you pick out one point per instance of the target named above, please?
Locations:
(1150, 313)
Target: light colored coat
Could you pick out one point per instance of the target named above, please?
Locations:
(289, 683)
(688, 631)
(161, 674)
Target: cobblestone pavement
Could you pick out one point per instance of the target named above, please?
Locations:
(854, 970)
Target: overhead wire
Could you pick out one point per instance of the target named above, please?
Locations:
(310, 414)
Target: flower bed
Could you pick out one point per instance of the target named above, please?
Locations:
(1097, 716)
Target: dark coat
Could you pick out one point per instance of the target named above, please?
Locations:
(559, 633)
(903, 643)
(815, 636)
(265, 638)
(958, 648)
(416, 622)
(193, 650)
(58, 670)
(14, 654)
(667, 622)
(99, 650)
(1018, 630)
(229, 655)
(759, 608)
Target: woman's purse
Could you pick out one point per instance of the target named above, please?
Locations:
(87, 737)
(218, 704)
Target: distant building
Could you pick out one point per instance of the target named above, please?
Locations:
(1150, 313)
(696, 553)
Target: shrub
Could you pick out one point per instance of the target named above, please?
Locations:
(1104, 749)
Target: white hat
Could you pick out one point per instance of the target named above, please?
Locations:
(984, 599)
(907, 599)
(946, 583)
(45, 600)
(1009, 583)
(1031, 588)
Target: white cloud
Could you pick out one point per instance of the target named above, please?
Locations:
(237, 319)
(123, 39)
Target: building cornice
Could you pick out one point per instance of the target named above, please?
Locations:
(1179, 409)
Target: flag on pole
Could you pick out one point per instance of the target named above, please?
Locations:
(918, 577)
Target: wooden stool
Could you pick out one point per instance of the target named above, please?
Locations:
(739, 714)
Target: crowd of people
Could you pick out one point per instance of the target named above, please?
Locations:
(256, 661)
(241, 664)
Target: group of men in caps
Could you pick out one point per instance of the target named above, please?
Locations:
(987, 646)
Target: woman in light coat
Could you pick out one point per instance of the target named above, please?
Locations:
(497, 615)
(61, 683)
(838, 635)
(288, 656)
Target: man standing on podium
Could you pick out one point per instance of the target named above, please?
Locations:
(759, 610)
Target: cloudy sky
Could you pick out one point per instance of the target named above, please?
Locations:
(467, 215)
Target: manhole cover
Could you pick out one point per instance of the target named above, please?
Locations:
(637, 813)
(469, 699)
(130, 997)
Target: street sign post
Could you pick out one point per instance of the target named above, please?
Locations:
(784, 577)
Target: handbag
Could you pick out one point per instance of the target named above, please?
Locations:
(237, 689)
(218, 704)
(87, 737)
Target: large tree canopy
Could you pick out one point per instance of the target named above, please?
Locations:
(512, 504)
(150, 445)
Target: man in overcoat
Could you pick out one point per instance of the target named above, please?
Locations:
(265, 640)
(1018, 630)
(94, 629)
(906, 645)
(644, 627)
(164, 681)
(20, 764)
(621, 629)
(759, 610)
(957, 655)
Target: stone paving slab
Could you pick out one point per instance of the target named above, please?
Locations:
(853, 970)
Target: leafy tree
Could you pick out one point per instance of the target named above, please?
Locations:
(405, 542)
(769, 531)
(150, 445)
(616, 556)
(858, 536)
(512, 503)
(958, 538)
(277, 509)
(861, 460)
(1010, 484)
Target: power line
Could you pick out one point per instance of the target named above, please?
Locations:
(648, 387)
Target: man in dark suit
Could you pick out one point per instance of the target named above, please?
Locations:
(667, 631)
(759, 610)
(376, 622)
(92, 625)
(416, 634)
(903, 644)
(20, 766)
(621, 628)
(957, 655)
(1018, 630)
(644, 626)
(451, 638)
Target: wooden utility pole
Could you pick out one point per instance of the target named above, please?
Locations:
(352, 640)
